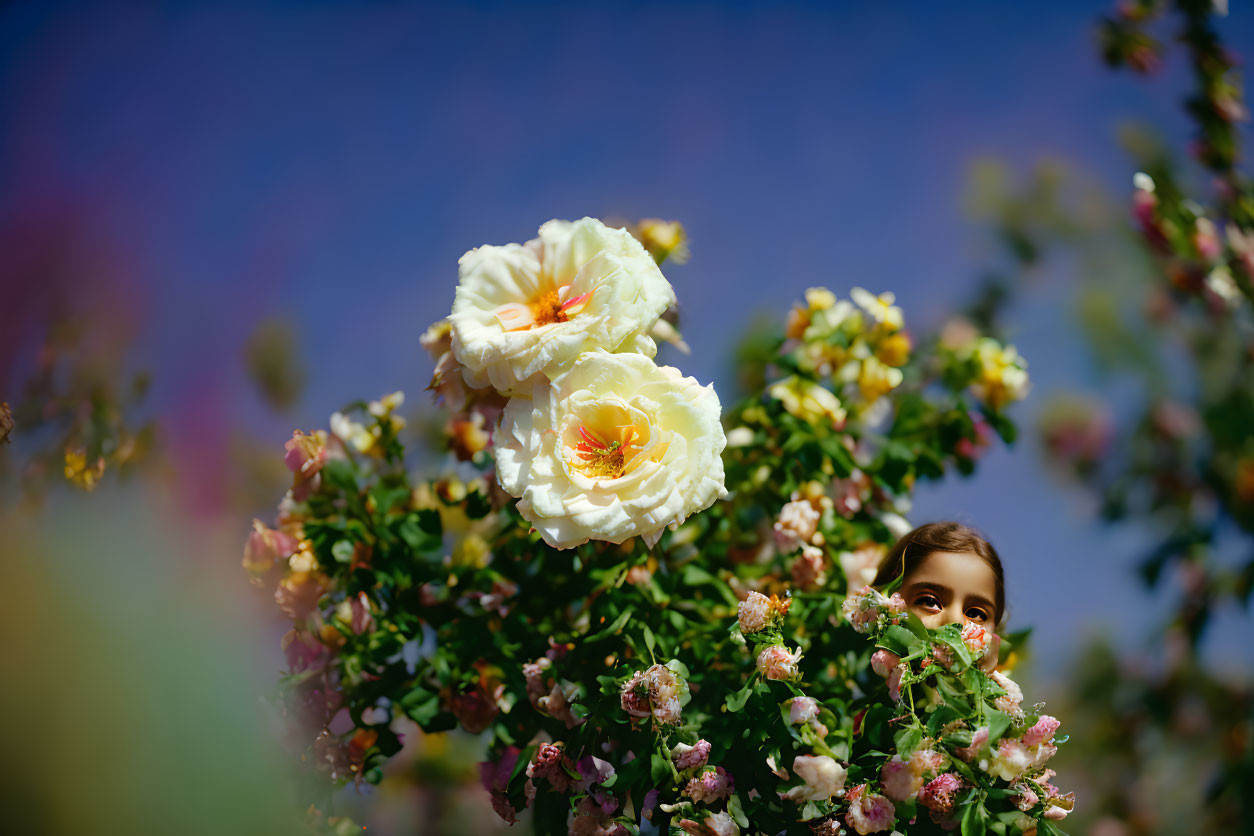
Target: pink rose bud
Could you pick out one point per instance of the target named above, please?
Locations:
(802, 710)
(1041, 731)
(883, 662)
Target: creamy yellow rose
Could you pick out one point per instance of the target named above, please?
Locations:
(525, 311)
(617, 447)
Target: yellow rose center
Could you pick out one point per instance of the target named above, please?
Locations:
(609, 444)
(550, 307)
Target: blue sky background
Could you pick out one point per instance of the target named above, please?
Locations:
(330, 161)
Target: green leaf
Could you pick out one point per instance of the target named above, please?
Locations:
(941, 717)
(997, 725)
(737, 811)
(659, 769)
(614, 627)
(898, 639)
(907, 740)
(737, 700)
(421, 530)
(649, 640)
(339, 474)
(973, 820)
(421, 705)
(478, 505)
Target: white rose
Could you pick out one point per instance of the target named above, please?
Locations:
(823, 778)
(617, 447)
(524, 311)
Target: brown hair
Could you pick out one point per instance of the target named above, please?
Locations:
(947, 536)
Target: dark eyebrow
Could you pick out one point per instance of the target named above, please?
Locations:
(980, 599)
(921, 585)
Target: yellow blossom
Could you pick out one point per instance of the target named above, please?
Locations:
(808, 400)
(1002, 377)
(876, 379)
(352, 432)
(471, 551)
(303, 560)
(819, 298)
(663, 239)
(80, 472)
(894, 350)
(881, 308)
(387, 404)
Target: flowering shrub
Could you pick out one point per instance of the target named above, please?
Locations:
(642, 611)
(952, 736)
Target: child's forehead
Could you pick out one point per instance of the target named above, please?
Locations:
(953, 569)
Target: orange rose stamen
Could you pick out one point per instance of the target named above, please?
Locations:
(548, 308)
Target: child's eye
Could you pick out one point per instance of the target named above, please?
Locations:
(976, 614)
(930, 602)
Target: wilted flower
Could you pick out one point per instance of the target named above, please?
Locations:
(898, 780)
(306, 453)
(754, 613)
(1026, 798)
(869, 812)
(658, 692)
(777, 662)
(297, 595)
(538, 683)
(715, 824)
(711, 786)
(691, 757)
(862, 565)
(797, 524)
(303, 651)
(494, 776)
(894, 682)
(1010, 760)
(938, 794)
(557, 704)
(547, 763)
(978, 740)
(1011, 700)
(822, 778)
(863, 608)
(808, 569)
(355, 613)
(265, 548)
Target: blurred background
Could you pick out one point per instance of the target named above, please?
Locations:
(222, 221)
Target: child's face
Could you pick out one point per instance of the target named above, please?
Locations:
(950, 588)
